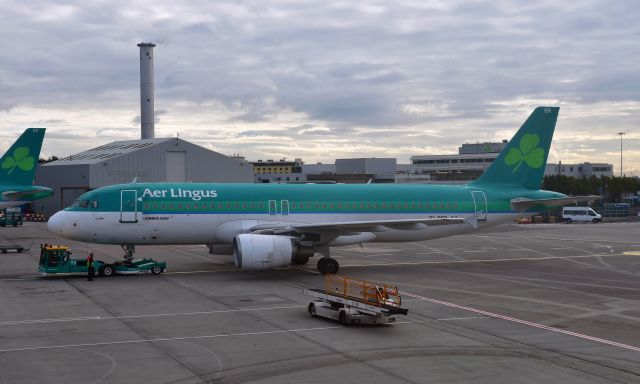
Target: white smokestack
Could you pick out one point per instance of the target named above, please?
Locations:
(146, 91)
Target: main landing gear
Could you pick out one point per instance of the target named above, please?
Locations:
(328, 266)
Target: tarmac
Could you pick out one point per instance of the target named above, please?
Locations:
(529, 303)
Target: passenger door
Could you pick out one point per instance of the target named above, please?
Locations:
(128, 206)
(480, 201)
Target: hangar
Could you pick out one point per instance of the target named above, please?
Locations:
(147, 160)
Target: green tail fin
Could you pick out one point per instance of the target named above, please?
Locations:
(18, 165)
(523, 160)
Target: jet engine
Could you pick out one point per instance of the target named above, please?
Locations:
(253, 252)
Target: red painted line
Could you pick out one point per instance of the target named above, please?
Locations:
(524, 322)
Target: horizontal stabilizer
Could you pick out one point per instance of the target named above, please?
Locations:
(522, 204)
(29, 194)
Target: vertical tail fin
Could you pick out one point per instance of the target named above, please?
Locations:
(523, 160)
(18, 165)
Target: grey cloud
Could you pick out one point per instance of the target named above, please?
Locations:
(343, 65)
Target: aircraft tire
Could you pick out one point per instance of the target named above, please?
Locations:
(322, 266)
(343, 318)
(328, 266)
(331, 266)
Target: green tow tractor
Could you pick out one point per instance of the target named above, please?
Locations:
(56, 260)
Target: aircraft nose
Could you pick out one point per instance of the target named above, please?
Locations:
(55, 223)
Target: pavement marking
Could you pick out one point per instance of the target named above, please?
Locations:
(464, 318)
(524, 322)
(481, 261)
(632, 253)
(137, 341)
(191, 272)
(87, 318)
(584, 240)
(476, 251)
(38, 277)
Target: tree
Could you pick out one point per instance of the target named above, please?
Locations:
(48, 160)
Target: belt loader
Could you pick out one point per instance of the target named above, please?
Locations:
(353, 301)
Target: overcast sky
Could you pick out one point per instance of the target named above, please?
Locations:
(322, 80)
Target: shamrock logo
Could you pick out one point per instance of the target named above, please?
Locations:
(529, 153)
(20, 159)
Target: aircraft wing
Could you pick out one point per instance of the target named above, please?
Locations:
(522, 204)
(352, 226)
(21, 195)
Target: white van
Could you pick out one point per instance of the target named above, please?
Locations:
(584, 214)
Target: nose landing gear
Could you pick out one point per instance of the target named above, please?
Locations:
(129, 251)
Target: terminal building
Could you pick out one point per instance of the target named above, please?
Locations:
(348, 171)
(473, 159)
(147, 160)
(470, 162)
(360, 170)
(579, 170)
(281, 171)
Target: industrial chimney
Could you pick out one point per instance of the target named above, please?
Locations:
(146, 91)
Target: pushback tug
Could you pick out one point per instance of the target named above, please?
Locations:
(56, 260)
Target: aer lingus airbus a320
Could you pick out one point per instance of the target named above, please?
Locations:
(273, 225)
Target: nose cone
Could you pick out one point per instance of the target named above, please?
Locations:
(55, 223)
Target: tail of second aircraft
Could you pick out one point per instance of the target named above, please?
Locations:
(523, 160)
(18, 165)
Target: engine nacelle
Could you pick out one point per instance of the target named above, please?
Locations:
(253, 252)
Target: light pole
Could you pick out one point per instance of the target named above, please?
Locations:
(621, 134)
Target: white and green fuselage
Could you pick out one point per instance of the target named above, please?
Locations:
(161, 213)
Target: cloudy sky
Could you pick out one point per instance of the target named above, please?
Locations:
(325, 79)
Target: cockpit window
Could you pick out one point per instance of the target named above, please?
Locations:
(85, 204)
(81, 204)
